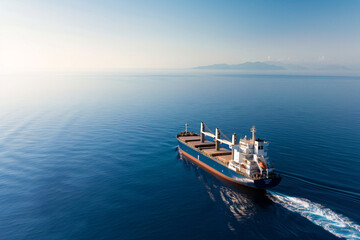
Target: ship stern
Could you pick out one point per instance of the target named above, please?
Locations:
(267, 182)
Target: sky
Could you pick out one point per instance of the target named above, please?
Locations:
(108, 34)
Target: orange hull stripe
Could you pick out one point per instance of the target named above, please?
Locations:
(208, 168)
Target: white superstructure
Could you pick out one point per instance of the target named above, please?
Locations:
(249, 156)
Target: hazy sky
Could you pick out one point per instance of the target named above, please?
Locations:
(47, 35)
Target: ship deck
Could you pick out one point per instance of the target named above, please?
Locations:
(213, 152)
(223, 155)
(198, 144)
(225, 158)
(190, 138)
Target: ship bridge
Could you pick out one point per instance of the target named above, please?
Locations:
(248, 155)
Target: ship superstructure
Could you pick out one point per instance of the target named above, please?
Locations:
(243, 162)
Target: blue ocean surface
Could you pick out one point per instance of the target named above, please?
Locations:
(94, 156)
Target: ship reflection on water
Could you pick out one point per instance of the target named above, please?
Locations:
(241, 202)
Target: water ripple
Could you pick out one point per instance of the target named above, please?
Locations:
(335, 223)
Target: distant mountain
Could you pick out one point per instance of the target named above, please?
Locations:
(243, 66)
(332, 67)
(289, 66)
(285, 67)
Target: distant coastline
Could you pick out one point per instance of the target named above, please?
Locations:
(243, 66)
(280, 67)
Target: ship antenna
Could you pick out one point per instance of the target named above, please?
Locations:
(253, 130)
(186, 127)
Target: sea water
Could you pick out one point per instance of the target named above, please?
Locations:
(94, 156)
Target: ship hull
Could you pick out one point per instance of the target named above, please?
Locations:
(223, 172)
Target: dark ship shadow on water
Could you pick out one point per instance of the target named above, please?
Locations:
(246, 203)
(242, 202)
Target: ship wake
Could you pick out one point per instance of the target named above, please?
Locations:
(335, 223)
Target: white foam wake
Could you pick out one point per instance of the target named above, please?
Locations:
(335, 223)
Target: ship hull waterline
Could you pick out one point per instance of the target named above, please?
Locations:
(222, 172)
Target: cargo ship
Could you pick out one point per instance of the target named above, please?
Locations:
(243, 162)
